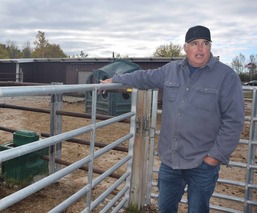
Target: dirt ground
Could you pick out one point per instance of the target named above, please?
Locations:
(47, 198)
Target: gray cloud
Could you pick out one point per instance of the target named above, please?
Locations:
(134, 28)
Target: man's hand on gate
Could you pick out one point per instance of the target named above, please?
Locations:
(106, 81)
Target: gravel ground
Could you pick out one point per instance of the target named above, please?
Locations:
(47, 198)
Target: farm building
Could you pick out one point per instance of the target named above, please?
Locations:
(65, 70)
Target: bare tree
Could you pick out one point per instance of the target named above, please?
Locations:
(13, 49)
(238, 63)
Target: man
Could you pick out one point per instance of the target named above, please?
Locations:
(202, 119)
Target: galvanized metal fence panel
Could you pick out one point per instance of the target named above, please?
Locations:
(249, 185)
(54, 141)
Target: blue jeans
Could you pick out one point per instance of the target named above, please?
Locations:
(201, 182)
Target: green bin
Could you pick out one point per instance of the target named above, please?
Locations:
(22, 137)
(25, 166)
(111, 103)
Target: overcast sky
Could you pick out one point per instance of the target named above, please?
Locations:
(133, 28)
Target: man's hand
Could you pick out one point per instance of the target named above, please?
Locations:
(106, 81)
(211, 161)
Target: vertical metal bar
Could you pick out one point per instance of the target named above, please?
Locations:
(20, 75)
(58, 147)
(133, 125)
(55, 128)
(152, 146)
(251, 155)
(52, 132)
(17, 72)
(92, 148)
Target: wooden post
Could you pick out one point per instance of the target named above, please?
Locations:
(141, 147)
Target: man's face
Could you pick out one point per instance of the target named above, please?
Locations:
(198, 52)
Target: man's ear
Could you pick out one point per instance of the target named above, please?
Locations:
(185, 48)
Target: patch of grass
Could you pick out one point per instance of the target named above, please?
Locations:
(13, 183)
(248, 94)
(132, 209)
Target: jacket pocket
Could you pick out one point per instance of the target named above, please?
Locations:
(206, 98)
(171, 90)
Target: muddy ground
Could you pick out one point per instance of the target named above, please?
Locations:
(46, 199)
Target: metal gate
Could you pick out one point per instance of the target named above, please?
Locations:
(246, 201)
(138, 188)
(54, 142)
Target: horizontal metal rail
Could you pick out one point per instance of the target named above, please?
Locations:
(62, 206)
(58, 112)
(31, 189)
(55, 89)
(249, 166)
(117, 197)
(37, 145)
(109, 190)
(224, 209)
(56, 139)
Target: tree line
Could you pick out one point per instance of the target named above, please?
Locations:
(245, 68)
(42, 49)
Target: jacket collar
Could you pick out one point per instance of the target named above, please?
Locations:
(210, 64)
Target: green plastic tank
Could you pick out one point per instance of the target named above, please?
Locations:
(111, 103)
(25, 166)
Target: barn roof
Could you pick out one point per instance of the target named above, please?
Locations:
(87, 60)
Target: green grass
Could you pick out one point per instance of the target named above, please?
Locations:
(248, 94)
(132, 209)
(11, 183)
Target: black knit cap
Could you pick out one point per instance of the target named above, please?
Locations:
(198, 32)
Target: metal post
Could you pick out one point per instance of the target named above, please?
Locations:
(92, 150)
(152, 146)
(134, 99)
(55, 128)
(251, 155)
(20, 75)
(17, 77)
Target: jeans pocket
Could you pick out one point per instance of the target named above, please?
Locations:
(205, 176)
(205, 165)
